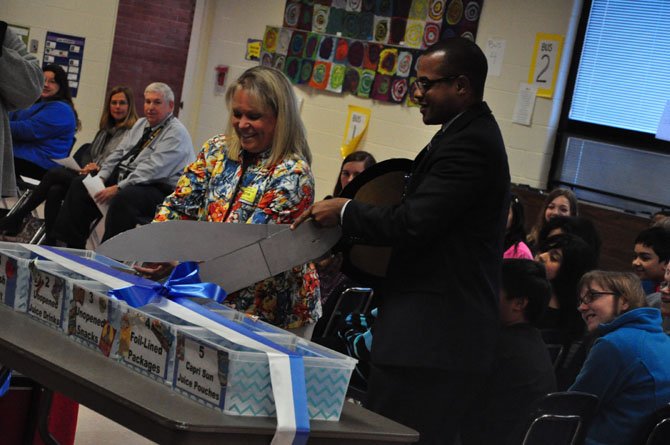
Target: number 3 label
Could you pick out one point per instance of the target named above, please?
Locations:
(544, 66)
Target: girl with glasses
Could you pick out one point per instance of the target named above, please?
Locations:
(628, 367)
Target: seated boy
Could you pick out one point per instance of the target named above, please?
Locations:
(522, 370)
(661, 300)
(652, 252)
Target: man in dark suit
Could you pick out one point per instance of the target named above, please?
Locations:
(435, 335)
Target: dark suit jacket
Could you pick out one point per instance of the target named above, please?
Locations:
(439, 306)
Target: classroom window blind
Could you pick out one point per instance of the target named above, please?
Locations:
(623, 76)
(624, 174)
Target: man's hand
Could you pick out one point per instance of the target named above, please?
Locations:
(325, 213)
(106, 194)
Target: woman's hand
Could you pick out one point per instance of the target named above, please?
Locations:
(155, 271)
(88, 168)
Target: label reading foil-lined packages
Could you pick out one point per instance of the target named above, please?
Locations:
(145, 342)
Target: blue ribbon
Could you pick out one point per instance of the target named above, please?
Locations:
(184, 281)
(5, 378)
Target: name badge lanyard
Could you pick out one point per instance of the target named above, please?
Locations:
(124, 164)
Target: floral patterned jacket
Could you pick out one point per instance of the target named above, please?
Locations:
(216, 188)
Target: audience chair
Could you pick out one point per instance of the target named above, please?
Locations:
(560, 418)
(555, 354)
(657, 430)
(26, 185)
(353, 299)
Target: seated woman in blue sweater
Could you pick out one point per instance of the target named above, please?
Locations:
(118, 116)
(628, 367)
(44, 131)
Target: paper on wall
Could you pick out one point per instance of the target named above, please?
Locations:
(495, 51)
(525, 102)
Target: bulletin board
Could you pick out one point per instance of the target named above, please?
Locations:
(368, 48)
(68, 52)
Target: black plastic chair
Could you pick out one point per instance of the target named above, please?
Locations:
(660, 435)
(657, 430)
(83, 154)
(560, 418)
(555, 354)
(353, 299)
(26, 185)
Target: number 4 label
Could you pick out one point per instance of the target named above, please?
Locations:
(544, 66)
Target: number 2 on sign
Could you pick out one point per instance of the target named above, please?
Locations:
(540, 76)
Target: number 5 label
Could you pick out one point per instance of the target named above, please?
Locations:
(544, 65)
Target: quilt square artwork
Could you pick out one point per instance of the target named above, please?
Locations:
(368, 48)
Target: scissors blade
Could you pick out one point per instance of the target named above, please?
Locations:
(289, 248)
(275, 254)
(236, 270)
(184, 240)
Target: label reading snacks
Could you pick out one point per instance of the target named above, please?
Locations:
(47, 297)
(145, 342)
(89, 319)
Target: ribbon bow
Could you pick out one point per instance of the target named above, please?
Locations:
(184, 281)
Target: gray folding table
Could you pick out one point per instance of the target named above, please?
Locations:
(152, 409)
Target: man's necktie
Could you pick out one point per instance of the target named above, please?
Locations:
(129, 156)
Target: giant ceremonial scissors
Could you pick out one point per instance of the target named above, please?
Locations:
(231, 255)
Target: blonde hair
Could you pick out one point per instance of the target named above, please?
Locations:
(622, 284)
(107, 121)
(274, 93)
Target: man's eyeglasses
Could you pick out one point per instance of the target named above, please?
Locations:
(592, 295)
(424, 84)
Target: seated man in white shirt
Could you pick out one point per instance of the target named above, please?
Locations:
(138, 175)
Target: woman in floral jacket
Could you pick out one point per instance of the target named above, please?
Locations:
(257, 173)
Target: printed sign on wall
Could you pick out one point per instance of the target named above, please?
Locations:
(357, 122)
(544, 64)
(68, 52)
